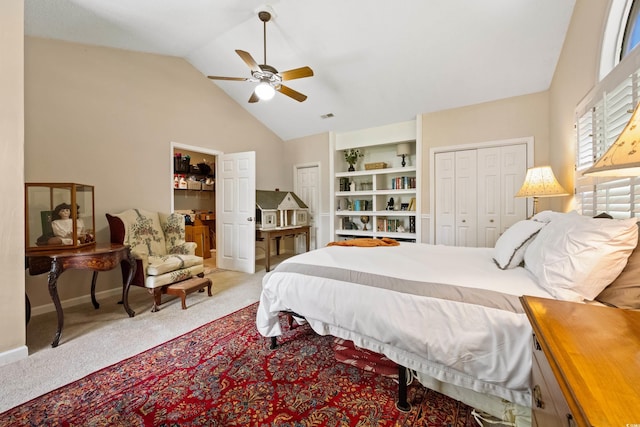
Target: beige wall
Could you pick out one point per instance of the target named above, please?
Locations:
(516, 117)
(107, 117)
(312, 149)
(576, 73)
(12, 338)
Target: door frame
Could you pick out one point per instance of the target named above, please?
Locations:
(178, 145)
(528, 140)
(318, 223)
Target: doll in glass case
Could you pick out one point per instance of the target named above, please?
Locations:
(62, 226)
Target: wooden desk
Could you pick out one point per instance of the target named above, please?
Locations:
(101, 257)
(277, 234)
(594, 354)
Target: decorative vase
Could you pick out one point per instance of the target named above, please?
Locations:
(351, 168)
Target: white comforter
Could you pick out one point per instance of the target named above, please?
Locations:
(483, 344)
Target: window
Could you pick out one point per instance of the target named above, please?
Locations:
(631, 36)
(600, 118)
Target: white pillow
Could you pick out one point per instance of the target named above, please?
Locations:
(575, 257)
(548, 216)
(510, 247)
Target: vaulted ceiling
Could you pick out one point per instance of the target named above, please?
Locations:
(375, 61)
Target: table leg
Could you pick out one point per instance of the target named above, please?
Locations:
(308, 234)
(54, 273)
(94, 301)
(267, 254)
(127, 284)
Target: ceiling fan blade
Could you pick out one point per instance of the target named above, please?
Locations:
(248, 59)
(236, 79)
(296, 73)
(254, 98)
(292, 93)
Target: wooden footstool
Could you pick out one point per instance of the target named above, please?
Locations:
(182, 289)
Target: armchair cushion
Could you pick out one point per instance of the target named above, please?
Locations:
(143, 232)
(174, 232)
(157, 241)
(163, 264)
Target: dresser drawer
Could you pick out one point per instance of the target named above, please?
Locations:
(549, 408)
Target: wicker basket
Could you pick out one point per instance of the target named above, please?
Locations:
(194, 185)
(377, 165)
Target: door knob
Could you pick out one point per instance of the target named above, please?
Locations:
(250, 219)
(464, 220)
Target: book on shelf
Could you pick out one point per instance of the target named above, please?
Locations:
(403, 183)
(412, 204)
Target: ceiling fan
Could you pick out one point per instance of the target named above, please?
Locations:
(270, 80)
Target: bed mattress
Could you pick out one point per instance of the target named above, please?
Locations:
(447, 312)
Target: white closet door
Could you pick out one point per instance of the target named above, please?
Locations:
(444, 199)
(513, 172)
(489, 195)
(466, 206)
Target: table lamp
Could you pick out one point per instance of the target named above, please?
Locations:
(623, 156)
(540, 182)
(403, 150)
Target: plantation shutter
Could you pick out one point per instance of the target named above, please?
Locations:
(600, 118)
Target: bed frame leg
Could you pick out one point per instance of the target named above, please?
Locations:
(402, 403)
(274, 343)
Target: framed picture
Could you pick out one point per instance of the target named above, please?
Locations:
(404, 206)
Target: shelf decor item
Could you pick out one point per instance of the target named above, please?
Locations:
(403, 150)
(351, 156)
(365, 220)
(374, 166)
(59, 215)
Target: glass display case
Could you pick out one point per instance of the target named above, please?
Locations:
(59, 215)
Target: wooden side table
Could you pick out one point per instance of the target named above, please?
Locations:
(590, 364)
(277, 234)
(101, 257)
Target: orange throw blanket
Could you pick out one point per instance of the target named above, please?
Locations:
(366, 243)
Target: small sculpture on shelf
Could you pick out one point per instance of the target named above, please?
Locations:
(365, 220)
(351, 156)
(390, 203)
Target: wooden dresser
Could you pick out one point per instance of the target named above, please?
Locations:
(200, 235)
(586, 364)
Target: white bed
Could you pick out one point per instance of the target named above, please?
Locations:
(473, 334)
(448, 313)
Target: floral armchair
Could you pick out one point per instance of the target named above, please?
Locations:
(157, 242)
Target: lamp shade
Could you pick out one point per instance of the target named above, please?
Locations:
(623, 157)
(403, 149)
(541, 182)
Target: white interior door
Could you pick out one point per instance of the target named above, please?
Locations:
(235, 211)
(307, 187)
(444, 199)
(489, 191)
(466, 198)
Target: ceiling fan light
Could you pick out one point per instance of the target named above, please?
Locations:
(265, 91)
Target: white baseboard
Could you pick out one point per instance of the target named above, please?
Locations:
(46, 308)
(14, 355)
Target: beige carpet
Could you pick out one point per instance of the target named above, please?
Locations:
(93, 339)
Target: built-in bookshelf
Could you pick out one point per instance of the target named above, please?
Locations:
(381, 198)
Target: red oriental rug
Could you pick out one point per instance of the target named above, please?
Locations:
(223, 374)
